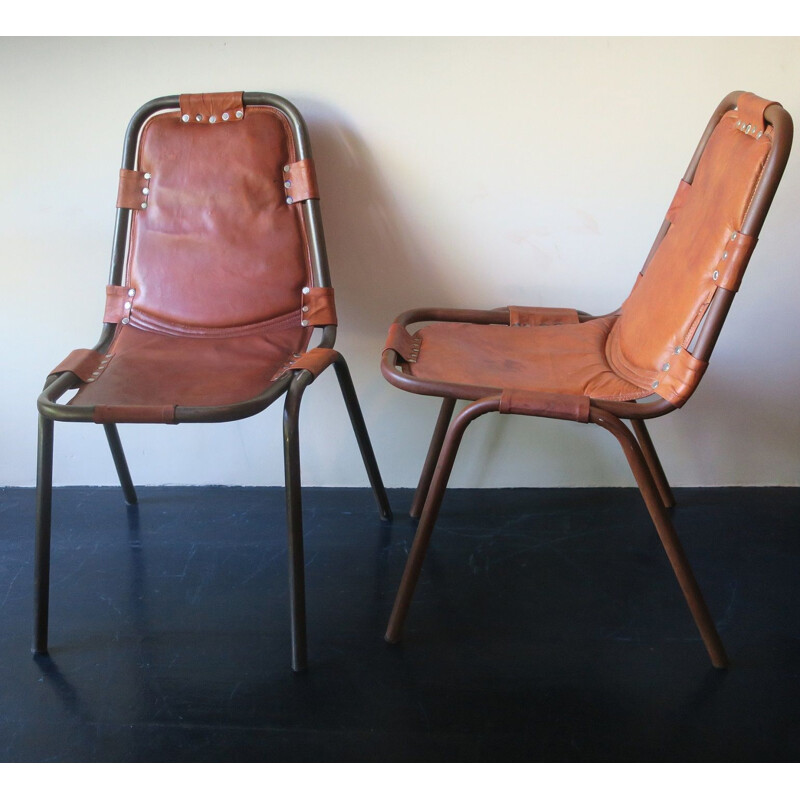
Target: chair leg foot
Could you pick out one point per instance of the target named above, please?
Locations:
(121, 464)
(669, 538)
(44, 502)
(362, 437)
(434, 449)
(430, 512)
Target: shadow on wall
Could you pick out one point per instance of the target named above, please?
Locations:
(377, 266)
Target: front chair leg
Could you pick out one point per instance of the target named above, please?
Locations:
(44, 502)
(117, 453)
(653, 462)
(666, 532)
(294, 518)
(431, 511)
(362, 436)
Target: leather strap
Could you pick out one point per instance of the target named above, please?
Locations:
(680, 378)
(134, 189)
(83, 363)
(300, 181)
(119, 300)
(731, 266)
(750, 111)
(401, 341)
(318, 307)
(545, 404)
(526, 316)
(163, 414)
(315, 361)
(212, 109)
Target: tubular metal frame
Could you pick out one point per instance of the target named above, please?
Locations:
(637, 446)
(292, 384)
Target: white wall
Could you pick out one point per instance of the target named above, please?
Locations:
(464, 172)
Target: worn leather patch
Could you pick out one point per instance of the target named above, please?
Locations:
(300, 181)
(134, 189)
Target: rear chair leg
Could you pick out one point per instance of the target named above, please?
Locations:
(431, 511)
(666, 532)
(128, 490)
(434, 449)
(44, 502)
(653, 462)
(294, 518)
(362, 436)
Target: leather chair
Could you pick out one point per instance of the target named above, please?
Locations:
(218, 278)
(640, 362)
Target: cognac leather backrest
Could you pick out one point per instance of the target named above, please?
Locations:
(217, 245)
(705, 249)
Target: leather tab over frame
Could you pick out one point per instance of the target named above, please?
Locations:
(680, 379)
(318, 307)
(733, 262)
(527, 316)
(300, 181)
(545, 404)
(315, 361)
(83, 363)
(134, 188)
(211, 109)
(750, 110)
(401, 341)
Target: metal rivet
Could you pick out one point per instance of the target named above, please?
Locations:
(305, 309)
(304, 323)
(655, 384)
(147, 176)
(289, 200)
(185, 118)
(90, 380)
(144, 205)
(677, 350)
(124, 320)
(306, 290)
(212, 119)
(748, 129)
(759, 134)
(239, 114)
(287, 184)
(199, 117)
(287, 168)
(724, 255)
(715, 274)
(226, 116)
(738, 124)
(665, 368)
(128, 304)
(96, 372)
(296, 355)
(145, 190)
(131, 292)
(734, 235)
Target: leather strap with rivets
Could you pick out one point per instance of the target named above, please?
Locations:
(212, 109)
(300, 181)
(401, 341)
(318, 307)
(134, 189)
(82, 362)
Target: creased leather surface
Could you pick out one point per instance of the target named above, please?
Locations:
(668, 301)
(562, 359)
(218, 246)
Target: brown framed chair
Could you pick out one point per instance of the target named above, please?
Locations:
(219, 276)
(640, 362)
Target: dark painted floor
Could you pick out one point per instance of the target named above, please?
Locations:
(547, 627)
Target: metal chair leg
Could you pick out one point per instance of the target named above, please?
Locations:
(362, 436)
(653, 462)
(431, 511)
(434, 449)
(44, 502)
(117, 453)
(666, 532)
(294, 519)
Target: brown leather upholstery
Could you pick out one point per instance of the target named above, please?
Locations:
(218, 272)
(643, 349)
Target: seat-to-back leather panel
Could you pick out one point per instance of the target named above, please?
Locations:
(660, 316)
(217, 245)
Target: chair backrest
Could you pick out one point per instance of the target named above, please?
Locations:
(703, 248)
(216, 240)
